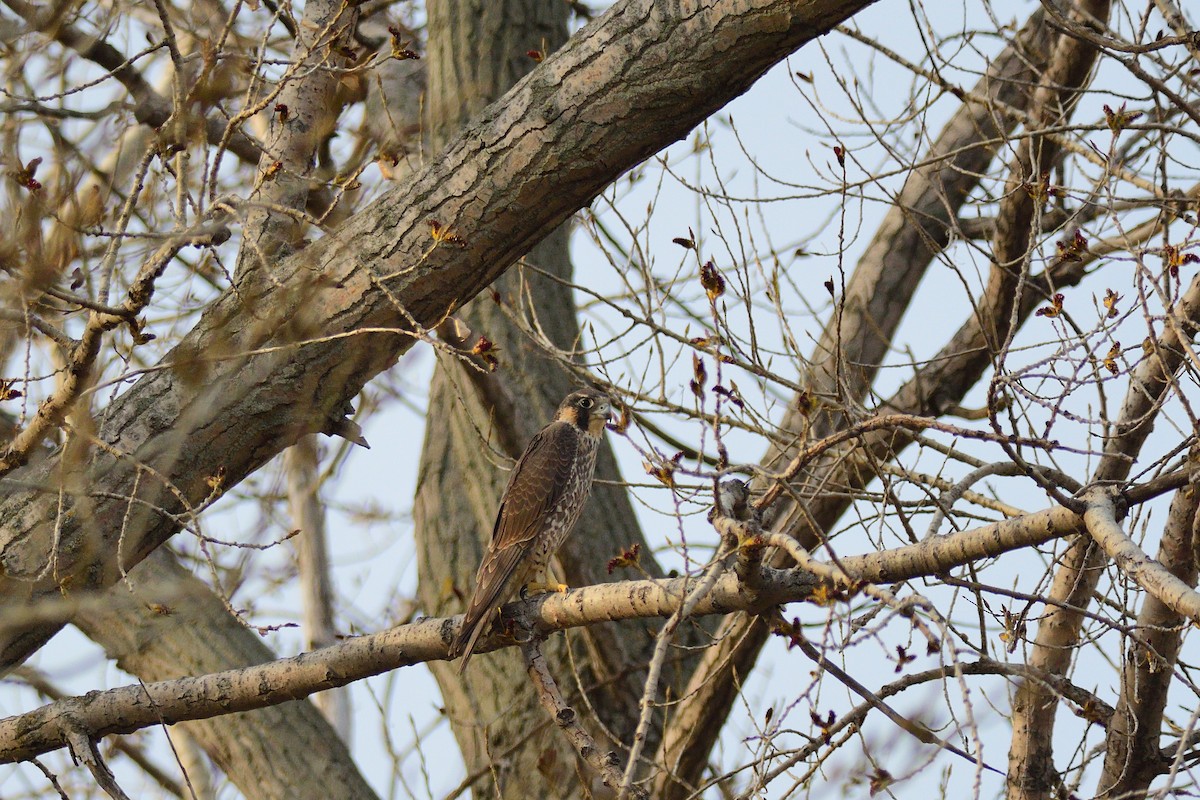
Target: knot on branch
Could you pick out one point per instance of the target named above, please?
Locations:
(1105, 496)
(339, 424)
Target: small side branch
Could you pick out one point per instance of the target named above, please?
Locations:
(568, 721)
(83, 748)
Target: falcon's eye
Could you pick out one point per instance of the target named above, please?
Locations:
(586, 402)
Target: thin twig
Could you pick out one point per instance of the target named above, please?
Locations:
(654, 671)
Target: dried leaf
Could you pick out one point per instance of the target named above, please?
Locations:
(624, 420)
(1120, 119)
(486, 350)
(1110, 360)
(443, 235)
(699, 376)
(1111, 299)
(880, 781)
(216, 480)
(1054, 309)
(711, 280)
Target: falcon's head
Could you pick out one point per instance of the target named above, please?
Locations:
(586, 409)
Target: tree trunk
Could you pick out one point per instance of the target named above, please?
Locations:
(480, 421)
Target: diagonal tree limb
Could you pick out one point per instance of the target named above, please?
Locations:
(1080, 568)
(567, 720)
(1132, 756)
(267, 364)
(913, 232)
(309, 92)
(1101, 521)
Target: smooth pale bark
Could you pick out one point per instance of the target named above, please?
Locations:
(1133, 757)
(126, 709)
(280, 357)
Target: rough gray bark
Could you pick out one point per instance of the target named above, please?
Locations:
(279, 358)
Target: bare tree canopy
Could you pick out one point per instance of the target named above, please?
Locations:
(902, 341)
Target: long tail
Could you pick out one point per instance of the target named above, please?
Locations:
(474, 623)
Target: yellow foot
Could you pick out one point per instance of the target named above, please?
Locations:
(536, 588)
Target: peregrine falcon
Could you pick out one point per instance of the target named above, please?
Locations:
(543, 499)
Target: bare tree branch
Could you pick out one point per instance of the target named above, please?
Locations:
(1132, 757)
(568, 721)
(130, 708)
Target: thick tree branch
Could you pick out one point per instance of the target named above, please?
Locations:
(309, 93)
(133, 707)
(1100, 519)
